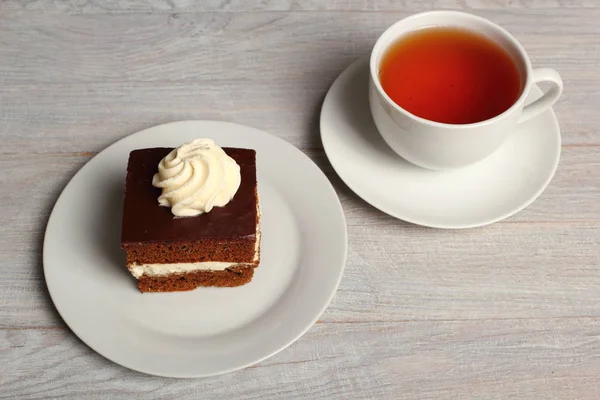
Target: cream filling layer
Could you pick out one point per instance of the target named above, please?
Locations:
(178, 268)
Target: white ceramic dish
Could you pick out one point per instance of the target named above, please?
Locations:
(488, 191)
(207, 331)
(441, 146)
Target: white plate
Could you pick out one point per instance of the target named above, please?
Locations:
(488, 191)
(207, 331)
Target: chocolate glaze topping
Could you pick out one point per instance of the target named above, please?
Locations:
(145, 221)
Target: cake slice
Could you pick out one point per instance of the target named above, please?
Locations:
(164, 252)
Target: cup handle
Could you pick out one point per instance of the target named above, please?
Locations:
(548, 98)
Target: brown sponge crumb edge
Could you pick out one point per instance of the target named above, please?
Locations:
(238, 250)
(233, 276)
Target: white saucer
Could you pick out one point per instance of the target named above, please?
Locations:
(486, 192)
(207, 331)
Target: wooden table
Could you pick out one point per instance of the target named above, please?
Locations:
(508, 311)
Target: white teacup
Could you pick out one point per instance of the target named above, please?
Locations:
(440, 146)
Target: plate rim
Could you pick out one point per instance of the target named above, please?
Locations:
(363, 62)
(307, 326)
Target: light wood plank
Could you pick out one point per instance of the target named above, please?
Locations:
(572, 196)
(487, 359)
(395, 271)
(406, 273)
(70, 118)
(238, 46)
(157, 6)
(77, 83)
(502, 271)
(89, 117)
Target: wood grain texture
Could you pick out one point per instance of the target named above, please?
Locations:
(428, 360)
(404, 273)
(543, 262)
(264, 47)
(78, 83)
(157, 6)
(508, 311)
